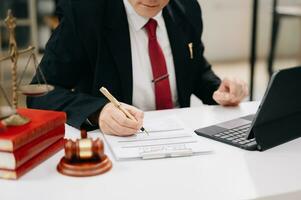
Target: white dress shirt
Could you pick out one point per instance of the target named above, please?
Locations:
(143, 88)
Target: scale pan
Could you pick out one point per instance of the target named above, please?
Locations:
(35, 89)
(6, 111)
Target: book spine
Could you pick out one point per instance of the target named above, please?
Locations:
(44, 155)
(37, 132)
(33, 148)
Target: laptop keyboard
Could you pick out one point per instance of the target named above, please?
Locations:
(237, 136)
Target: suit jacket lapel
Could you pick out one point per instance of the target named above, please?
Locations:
(118, 37)
(180, 52)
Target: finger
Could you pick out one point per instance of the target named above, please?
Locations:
(124, 121)
(105, 129)
(110, 126)
(218, 97)
(221, 97)
(118, 129)
(235, 88)
(243, 90)
(139, 116)
(224, 87)
(235, 98)
(238, 91)
(137, 113)
(234, 101)
(225, 99)
(243, 93)
(134, 111)
(113, 130)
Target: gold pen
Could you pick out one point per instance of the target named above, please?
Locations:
(117, 104)
(190, 46)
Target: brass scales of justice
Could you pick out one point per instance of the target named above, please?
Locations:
(8, 113)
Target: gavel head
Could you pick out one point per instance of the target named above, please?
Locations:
(84, 149)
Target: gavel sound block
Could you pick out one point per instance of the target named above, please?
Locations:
(84, 157)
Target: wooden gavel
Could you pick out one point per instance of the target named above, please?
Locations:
(84, 149)
(84, 157)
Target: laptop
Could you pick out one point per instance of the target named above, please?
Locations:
(278, 118)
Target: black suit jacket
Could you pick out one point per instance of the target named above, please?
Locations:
(91, 48)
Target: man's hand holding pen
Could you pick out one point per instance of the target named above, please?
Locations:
(113, 121)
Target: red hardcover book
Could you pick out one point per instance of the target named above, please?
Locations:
(44, 155)
(42, 121)
(13, 160)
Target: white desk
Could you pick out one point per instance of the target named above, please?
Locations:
(228, 173)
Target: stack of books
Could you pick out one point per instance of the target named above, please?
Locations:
(24, 147)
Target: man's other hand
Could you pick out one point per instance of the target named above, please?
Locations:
(231, 92)
(114, 122)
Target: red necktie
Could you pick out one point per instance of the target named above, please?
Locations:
(160, 74)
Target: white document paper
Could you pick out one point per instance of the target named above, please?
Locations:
(167, 137)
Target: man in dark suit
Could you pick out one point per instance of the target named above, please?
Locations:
(147, 53)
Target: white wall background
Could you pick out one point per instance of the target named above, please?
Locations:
(227, 30)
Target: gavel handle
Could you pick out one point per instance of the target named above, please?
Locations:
(83, 134)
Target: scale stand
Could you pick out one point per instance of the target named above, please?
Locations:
(8, 114)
